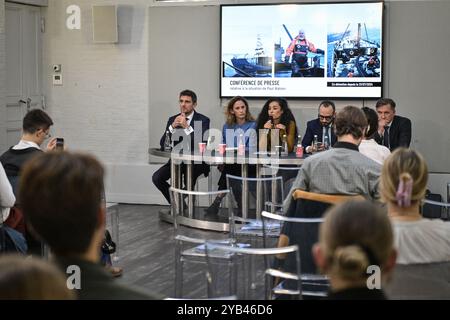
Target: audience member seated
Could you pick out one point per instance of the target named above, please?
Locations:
(276, 115)
(423, 245)
(7, 198)
(393, 131)
(369, 147)
(11, 239)
(321, 127)
(343, 169)
(181, 128)
(31, 279)
(238, 121)
(356, 236)
(36, 129)
(61, 197)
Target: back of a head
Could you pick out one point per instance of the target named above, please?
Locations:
(350, 120)
(36, 119)
(372, 122)
(354, 236)
(402, 168)
(61, 194)
(31, 279)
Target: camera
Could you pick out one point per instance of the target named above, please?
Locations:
(59, 144)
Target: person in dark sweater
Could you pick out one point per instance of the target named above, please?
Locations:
(36, 129)
(356, 251)
(61, 196)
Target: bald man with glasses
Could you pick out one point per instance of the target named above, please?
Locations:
(322, 127)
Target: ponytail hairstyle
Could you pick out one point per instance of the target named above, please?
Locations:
(354, 236)
(404, 178)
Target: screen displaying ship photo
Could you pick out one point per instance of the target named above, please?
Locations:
(302, 50)
(355, 51)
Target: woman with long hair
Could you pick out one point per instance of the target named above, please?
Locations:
(368, 146)
(276, 115)
(239, 121)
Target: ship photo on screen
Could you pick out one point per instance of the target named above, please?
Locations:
(302, 50)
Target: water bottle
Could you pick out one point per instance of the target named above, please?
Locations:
(299, 148)
(167, 142)
(241, 145)
(284, 144)
(315, 143)
(326, 142)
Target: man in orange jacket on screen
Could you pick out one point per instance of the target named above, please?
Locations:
(299, 49)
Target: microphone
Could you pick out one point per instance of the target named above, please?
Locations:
(271, 120)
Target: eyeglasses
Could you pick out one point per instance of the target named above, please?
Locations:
(47, 134)
(328, 118)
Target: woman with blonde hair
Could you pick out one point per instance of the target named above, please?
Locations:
(403, 184)
(355, 250)
(31, 279)
(239, 121)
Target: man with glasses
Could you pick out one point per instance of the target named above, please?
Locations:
(36, 129)
(322, 127)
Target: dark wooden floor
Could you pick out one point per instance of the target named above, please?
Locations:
(146, 252)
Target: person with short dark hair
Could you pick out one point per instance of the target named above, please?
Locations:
(393, 131)
(369, 147)
(180, 127)
(36, 129)
(321, 127)
(61, 196)
(355, 236)
(24, 278)
(343, 169)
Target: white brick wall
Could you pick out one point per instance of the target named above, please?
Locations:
(102, 107)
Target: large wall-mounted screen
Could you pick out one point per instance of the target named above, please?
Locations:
(302, 50)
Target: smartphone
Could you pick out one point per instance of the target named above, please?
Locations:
(59, 144)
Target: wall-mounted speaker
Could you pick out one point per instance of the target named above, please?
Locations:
(104, 24)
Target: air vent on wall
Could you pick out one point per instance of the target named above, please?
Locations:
(104, 24)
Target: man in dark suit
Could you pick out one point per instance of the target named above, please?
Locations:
(393, 131)
(181, 127)
(322, 127)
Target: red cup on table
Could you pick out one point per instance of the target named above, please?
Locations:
(222, 148)
(201, 147)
